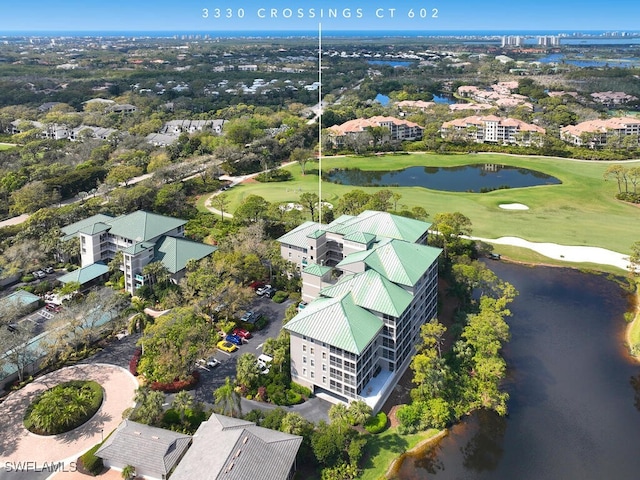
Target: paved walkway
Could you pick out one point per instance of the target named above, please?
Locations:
(19, 445)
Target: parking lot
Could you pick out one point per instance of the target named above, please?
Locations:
(212, 378)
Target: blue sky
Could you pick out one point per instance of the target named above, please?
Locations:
(186, 15)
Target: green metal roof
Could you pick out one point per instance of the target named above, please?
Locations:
(400, 262)
(317, 270)
(136, 248)
(142, 226)
(298, 236)
(316, 234)
(175, 252)
(71, 230)
(360, 237)
(382, 224)
(372, 291)
(338, 322)
(95, 228)
(19, 298)
(85, 274)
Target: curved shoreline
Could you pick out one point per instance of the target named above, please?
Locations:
(397, 462)
(633, 323)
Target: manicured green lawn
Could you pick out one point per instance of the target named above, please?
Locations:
(384, 448)
(6, 146)
(634, 328)
(581, 211)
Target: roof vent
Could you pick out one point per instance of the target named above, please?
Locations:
(238, 453)
(137, 433)
(244, 440)
(155, 438)
(229, 467)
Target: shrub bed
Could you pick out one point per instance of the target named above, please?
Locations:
(280, 296)
(377, 423)
(177, 384)
(63, 407)
(135, 360)
(89, 464)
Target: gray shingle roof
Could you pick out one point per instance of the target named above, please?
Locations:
(141, 446)
(232, 449)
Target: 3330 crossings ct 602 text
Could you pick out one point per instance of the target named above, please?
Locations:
(318, 13)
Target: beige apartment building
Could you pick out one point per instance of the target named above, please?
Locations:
(368, 283)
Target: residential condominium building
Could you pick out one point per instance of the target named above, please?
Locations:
(369, 283)
(595, 133)
(399, 130)
(142, 237)
(492, 129)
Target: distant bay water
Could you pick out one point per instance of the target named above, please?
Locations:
(568, 37)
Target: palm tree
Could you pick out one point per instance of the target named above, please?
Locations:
(359, 412)
(157, 271)
(128, 472)
(227, 400)
(339, 414)
(182, 402)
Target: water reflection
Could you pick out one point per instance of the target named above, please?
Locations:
(574, 396)
(463, 178)
(484, 450)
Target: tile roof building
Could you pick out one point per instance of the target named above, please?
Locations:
(142, 237)
(234, 449)
(153, 452)
(594, 133)
(399, 130)
(492, 129)
(371, 282)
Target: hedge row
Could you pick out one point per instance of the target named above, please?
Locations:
(135, 360)
(177, 385)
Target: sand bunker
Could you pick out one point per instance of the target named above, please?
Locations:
(566, 253)
(513, 206)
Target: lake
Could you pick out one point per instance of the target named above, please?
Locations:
(574, 411)
(614, 62)
(466, 178)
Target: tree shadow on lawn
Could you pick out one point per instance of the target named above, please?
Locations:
(393, 443)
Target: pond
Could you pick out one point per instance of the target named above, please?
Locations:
(466, 178)
(574, 410)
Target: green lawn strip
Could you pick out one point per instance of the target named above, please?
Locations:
(6, 146)
(201, 201)
(384, 448)
(581, 211)
(634, 327)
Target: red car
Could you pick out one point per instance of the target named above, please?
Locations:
(52, 307)
(242, 333)
(256, 285)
